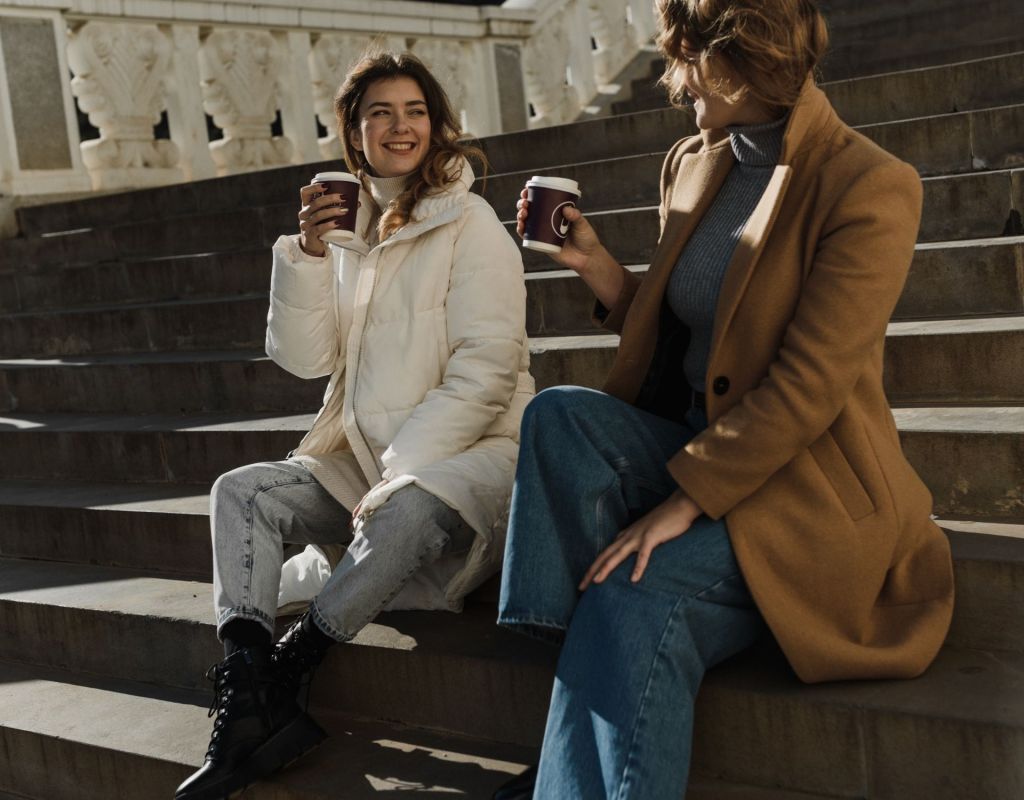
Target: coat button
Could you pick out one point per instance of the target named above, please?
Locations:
(721, 385)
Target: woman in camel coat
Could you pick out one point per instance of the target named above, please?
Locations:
(742, 466)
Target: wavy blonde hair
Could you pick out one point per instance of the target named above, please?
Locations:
(769, 48)
(442, 164)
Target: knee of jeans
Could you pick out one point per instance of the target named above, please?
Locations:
(231, 483)
(552, 403)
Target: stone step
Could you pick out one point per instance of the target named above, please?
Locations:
(94, 729)
(151, 280)
(756, 724)
(933, 363)
(233, 323)
(157, 528)
(974, 360)
(166, 531)
(150, 448)
(972, 459)
(949, 88)
(885, 37)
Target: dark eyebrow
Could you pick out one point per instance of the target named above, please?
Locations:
(388, 105)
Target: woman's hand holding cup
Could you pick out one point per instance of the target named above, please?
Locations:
(580, 243)
(325, 213)
(317, 216)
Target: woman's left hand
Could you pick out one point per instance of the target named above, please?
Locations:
(672, 518)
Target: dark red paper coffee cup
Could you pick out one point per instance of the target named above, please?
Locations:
(546, 227)
(347, 185)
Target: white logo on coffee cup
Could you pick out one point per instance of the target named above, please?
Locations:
(559, 224)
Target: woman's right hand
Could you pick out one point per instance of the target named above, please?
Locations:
(581, 243)
(316, 217)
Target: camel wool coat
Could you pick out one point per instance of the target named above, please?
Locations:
(830, 524)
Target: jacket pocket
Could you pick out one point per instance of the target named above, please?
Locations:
(840, 474)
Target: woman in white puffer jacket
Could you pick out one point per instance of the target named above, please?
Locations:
(420, 322)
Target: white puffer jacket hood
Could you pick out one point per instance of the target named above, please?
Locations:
(424, 338)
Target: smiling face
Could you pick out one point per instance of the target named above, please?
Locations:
(394, 127)
(717, 95)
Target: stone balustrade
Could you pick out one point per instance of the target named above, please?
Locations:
(265, 72)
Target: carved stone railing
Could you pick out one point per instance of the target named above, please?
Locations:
(248, 65)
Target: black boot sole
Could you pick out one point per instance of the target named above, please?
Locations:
(295, 739)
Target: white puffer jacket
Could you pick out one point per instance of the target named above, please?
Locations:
(424, 338)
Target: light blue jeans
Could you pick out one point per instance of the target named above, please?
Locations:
(620, 724)
(257, 508)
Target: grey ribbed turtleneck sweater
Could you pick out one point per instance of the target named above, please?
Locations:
(696, 279)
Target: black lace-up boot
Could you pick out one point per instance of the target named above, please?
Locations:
(298, 653)
(259, 728)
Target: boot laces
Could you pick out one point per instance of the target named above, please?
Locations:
(223, 694)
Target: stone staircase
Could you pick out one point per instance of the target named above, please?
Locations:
(131, 375)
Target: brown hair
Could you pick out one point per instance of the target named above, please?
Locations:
(442, 164)
(770, 47)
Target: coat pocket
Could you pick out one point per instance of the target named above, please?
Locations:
(840, 474)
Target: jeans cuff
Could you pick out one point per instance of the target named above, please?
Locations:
(325, 627)
(545, 630)
(226, 615)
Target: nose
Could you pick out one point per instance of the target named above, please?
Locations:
(400, 123)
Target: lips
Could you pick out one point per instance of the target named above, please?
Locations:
(399, 147)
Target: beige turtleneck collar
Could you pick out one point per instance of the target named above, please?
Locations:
(384, 190)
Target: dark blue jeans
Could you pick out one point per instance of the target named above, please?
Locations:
(620, 724)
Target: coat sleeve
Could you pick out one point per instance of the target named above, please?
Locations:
(486, 326)
(614, 318)
(302, 332)
(848, 296)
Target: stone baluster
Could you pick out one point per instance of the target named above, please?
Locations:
(546, 65)
(298, 118)
(642, 21)
(119, 71)
(240, 72)
(185, 105)
(611, 29)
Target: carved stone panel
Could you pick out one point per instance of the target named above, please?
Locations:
(119, 71)
(240, 73)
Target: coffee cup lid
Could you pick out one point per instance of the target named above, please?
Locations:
(323, 177)
(564, 184)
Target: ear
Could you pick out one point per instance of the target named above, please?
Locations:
(355, 139)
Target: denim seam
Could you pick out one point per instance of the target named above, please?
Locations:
(700, 595)
(250, 550)
(629, 767)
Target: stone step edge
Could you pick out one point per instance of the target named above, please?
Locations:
(959, 419)
(923, 327)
